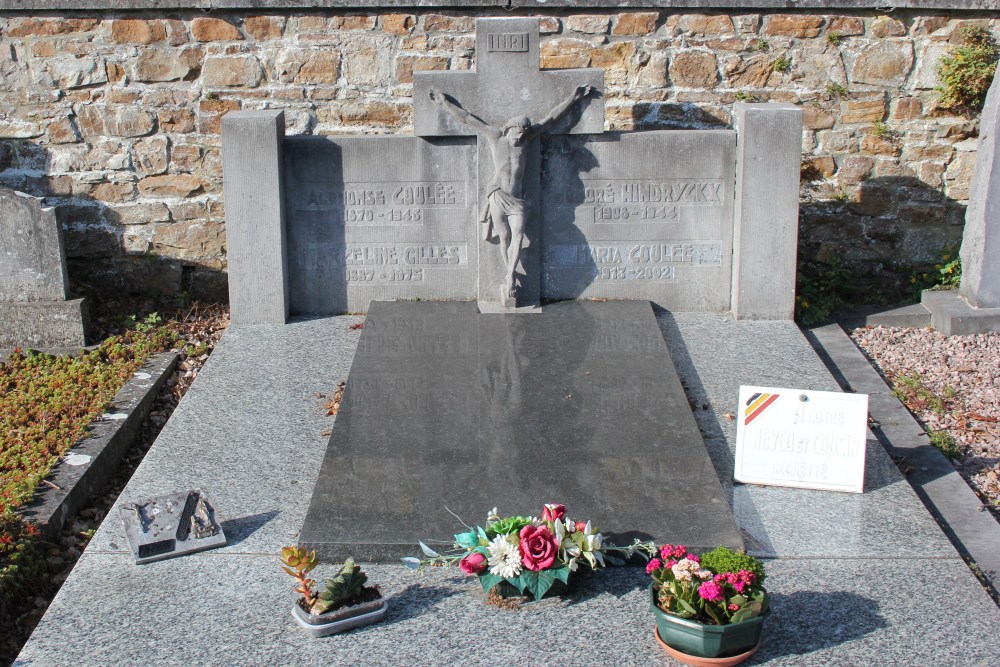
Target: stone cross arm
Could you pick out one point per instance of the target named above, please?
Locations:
(506, 84)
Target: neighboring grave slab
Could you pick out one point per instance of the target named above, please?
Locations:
(449, 409)
(34, 311)
(379, 218)
(619, 221)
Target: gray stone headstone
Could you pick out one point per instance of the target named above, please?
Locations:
(379, 218)
(975, 306)
(639, 216)
(34, 311)
(981, 239)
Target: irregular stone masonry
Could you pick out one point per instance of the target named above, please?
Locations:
(115, 117)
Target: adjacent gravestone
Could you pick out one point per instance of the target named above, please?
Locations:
(691, 220)
(34, 311)
(975, 308)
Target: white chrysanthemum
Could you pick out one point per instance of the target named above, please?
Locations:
(505, 558)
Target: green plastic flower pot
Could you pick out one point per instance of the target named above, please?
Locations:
(706, 641)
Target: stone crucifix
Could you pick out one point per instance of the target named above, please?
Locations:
(498, 102)
(503, 210)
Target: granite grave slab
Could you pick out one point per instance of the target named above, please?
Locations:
(34, 309)
(449, 410)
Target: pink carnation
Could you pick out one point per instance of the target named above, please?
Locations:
(710, 591)
(654, 564)
(734, 607)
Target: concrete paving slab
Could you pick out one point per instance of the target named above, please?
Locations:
(856, 579)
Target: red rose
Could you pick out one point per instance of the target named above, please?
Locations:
(538, 548)
(474, 563)
(553, 511)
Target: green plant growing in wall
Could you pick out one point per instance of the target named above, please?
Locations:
(966, 73)
(744, 96)
(946, 274)
(820, 289)
(836, 90)
(782, 64)
(834, 38)
(760, 45)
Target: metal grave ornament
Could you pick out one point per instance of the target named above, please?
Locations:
(171, 525)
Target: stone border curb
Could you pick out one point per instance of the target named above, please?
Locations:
(949, 499)
(110, 437)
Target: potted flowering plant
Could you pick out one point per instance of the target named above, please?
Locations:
(533, 556)
(708, 607)
(344, 604)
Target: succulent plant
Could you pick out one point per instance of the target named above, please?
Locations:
(299, 562)
(340, 589)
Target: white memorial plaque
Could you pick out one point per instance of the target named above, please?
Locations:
(805, 439)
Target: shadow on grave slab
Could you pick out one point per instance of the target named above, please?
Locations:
(807, 621)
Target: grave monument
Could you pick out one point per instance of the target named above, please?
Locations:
(34, 310)
(692, 220)
(511, 195)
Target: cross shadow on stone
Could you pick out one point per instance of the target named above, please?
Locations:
(807, 621)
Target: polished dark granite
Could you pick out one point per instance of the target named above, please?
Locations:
(449, 409)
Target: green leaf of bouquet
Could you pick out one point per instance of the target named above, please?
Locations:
(482, 533)
(560, 573)
(488, 580)
(521, 582)
(428, 551)
(614, 560)
(411, 562)
(542, 584)
(467, 540)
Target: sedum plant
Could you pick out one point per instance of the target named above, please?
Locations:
(348, 585)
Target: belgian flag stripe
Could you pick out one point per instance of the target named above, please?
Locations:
(770, 398)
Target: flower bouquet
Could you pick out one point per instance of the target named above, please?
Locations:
(530, 554)
(709, 607)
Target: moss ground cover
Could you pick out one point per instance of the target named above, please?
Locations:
(46, 404)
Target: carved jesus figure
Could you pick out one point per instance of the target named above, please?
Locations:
(504, 208)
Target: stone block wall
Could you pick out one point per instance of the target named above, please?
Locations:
(114, 117)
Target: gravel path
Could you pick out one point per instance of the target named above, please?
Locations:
(951, 384)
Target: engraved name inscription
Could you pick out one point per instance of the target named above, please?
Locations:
(640, 197)
(386, 263)
(507, 42)
(372, 204)
(633, 261)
